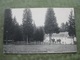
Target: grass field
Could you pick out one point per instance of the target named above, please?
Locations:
(23, 49)
(40, 3)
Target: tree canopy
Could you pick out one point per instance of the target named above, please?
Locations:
(51, 25)
(71, 29)
(27, 25)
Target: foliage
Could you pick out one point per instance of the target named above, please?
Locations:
(17, 31)
(51, 25)
(12, 31)
(39, 34)
(8, 25)
(27, 25)
(71, 28)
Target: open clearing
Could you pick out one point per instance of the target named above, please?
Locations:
(55, 48)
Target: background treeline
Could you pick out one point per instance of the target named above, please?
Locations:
(29, 32)
(69, 26)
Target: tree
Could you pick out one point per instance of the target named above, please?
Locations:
(8, 25)
(51, 25)
(27, 25)
(17, 31)
(39, 34)
(67, 26)
(71, 30)
(63, 27)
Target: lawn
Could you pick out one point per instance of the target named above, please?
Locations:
(55, 48)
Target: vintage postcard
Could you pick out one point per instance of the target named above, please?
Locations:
(39, 30)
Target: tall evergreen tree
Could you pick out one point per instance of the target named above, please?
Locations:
(8, 25)
(71, 29)
(67, 26)
(17, 31)
(27, 25)
(63, 27)
(51, 25)
(39, 34)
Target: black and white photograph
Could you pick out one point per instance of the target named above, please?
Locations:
(39, 30)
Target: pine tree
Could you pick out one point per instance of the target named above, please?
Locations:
(51, 25)
(17, 31)
(67, 26)
(27, 25)
(71, 29)
(63, 27)
(39, 34)
(8, 25)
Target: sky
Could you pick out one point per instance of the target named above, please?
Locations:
(39, 14)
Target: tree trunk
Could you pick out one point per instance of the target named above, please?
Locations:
(50, 35)
(6, 39)
(27, 39)
(73, 39)
(23, 37)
